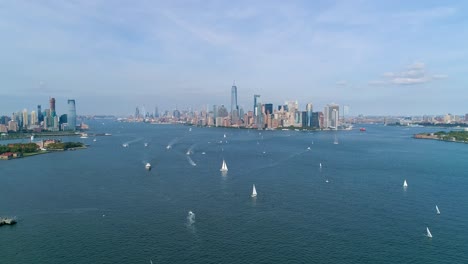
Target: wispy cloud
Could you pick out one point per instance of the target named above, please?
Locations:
(415, 73)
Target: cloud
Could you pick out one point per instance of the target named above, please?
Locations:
(415, 73)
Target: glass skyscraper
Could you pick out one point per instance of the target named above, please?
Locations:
(234, 106)
(71, 117)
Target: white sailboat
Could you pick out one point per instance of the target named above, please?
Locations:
(224, 166)
(224, 135)
(437, 210)
(254, 192)
(428, 232)
(405, 184)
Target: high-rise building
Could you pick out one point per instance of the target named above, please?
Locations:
(331, 116)
(25, 118)
(215, 113)
(40, 117)
(33, 118)
(12, 125)
(315, 120)
(137, 113)
(234, 106)
(156, 112)
(52, 107)
(71, 116)
(309, 110)
(269, 109)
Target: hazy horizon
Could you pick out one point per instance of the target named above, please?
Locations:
(393, 58)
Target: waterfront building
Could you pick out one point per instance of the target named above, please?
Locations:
(309, 109)
(331, 116)
(255, 110)
(3, 128)
(269, 109)
(137, 113)
(304, 119)
(222, 111)
(215, 113)
(234, 107)
(315, 120)
(71, 116)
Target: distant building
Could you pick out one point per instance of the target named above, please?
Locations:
(52, 107)
(331, 116)
(268, 109)
(40, 116)
(234, 107)
(25, 118)
(71, 116)
(3, 128)
(12, 126)
(309, 109)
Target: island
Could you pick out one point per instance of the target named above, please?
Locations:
(19, 150)
(452, 136)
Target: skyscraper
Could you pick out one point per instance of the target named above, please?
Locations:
(40, 117)
(52, 106)
(331, 116)
(25, 118)
(33, 118)
(234, 106)
(71, 117)
(137, 113)
(309, 110)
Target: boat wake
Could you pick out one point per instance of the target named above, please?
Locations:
(172, 142)
(190, 160)
(190, 218)
(132, 141)
(190, 150)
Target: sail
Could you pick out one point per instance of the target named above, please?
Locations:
(320, 165)
(224, 166)
(437, 209)
(428, 232)
(405, 184)
(254, 191)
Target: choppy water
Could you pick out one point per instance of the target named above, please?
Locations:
(100, 205)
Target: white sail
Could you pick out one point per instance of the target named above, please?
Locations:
(224, 166)
(320, 164)
(437, 209)
(405, 184)
(225, 135)
(254, 191)
(428, 232)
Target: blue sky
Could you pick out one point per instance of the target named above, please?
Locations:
(378, 57)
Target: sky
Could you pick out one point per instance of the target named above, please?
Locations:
(377, 57)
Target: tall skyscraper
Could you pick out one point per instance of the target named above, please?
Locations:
(40, 116)
(25, 118)
(255, 109)
(156, 112)
(309, 110)
(71, 117)
(52, 107)
(269, 109)
(215, 113)
(234, 106)
(33, 118)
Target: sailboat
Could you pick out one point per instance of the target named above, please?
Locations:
(320, 164)
(224, 166)
(428, 232)
(405, 184)
(336, 141)
(437, 210)
(254, 192)
(224, 135)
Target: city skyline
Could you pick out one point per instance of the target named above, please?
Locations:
(382, 59)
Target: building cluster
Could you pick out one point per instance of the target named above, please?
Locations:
(262, 115)
(39, 120)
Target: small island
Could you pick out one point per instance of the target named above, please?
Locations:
(19, 150)
(452, 136)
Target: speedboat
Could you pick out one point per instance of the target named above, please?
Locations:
(148, 166)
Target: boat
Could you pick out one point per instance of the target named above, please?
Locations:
(224, 166)
(94, 140)
(224, 135)
(84, 136)
(7, 221)
(190, 129)
(125, 145)
(437, 210)
(146, 144)
(308, 148)
(254, 192)
(107, 134)
(428, 233)
(203, 153)
(336, 141)
(168, 147)
(362, 129)
(148, 166)
(32, 138)
(320, 164)
(405, 184)
(326, 180)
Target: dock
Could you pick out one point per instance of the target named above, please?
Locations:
(7, 221)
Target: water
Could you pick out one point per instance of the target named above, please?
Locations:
(100, 205)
